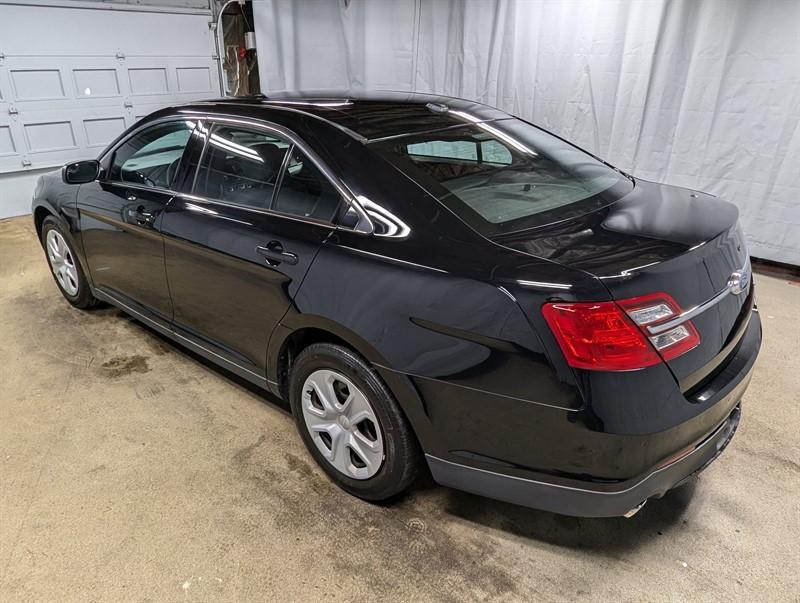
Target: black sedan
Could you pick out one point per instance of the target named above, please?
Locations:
(430, 282)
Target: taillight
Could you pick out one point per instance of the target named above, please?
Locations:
(652, 313)
(614, 336)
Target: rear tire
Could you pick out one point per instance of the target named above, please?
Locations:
(351, 423)
(65, 267)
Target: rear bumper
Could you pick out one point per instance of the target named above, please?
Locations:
(605, 498)
(565, 467)
(599, 500)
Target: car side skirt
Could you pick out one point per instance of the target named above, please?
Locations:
(195, 347)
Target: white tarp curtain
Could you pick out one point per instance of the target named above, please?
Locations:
(702, 94)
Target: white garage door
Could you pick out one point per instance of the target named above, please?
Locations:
(73, 75)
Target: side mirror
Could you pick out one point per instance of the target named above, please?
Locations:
(81, 172)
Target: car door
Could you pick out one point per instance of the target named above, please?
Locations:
(240, 240)
(120, 216)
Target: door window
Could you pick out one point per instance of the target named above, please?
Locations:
(305, 191)
(240, 166)
(151, 157)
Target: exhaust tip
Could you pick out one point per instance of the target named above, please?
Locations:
(635, 510)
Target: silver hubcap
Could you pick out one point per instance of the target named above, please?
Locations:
(62, 263)
(342, 424)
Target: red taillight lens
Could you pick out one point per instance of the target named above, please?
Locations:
(609, 336)
(599, 336)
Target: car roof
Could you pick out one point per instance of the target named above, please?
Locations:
(369, 116)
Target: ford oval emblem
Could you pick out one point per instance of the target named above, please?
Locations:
(739, 280)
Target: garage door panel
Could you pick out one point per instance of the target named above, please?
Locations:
(12, 145)
(193, 79)
(51, 137)
(48, 136)
(81, 90)
(196, 76)
(96, 82)
(7, 146)
(64, 81)
(100, 131)
(37, 84)
(146, 81)
(169, 81)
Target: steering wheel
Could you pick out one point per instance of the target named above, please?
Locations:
(146, 179)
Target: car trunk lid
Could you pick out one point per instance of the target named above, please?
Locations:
(667, 239)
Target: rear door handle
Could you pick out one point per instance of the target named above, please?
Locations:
(275, 253)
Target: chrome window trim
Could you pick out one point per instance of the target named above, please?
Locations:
(127, 135)
(700, 308)
(258, 210)
(276, 104)
(365, 225)
(369, 141)
(139, 187)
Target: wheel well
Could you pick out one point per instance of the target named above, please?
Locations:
(296, 343)
(301, 339)
(39, 214)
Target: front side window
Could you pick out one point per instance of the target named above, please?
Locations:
(506, 175)
(305, 191)
(151, 157)
(240, 166)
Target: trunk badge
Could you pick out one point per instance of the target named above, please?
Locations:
(739, 280)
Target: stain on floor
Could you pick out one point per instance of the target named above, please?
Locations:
(125, 365)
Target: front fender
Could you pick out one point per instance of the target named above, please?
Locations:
(60, 201)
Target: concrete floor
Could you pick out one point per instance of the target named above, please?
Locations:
(130, 470)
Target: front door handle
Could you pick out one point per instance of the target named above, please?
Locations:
(141, 216)
(275, 254)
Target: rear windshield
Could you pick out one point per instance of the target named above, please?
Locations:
(505, 175)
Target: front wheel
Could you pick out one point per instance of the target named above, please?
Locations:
(65, 267)
(351, 423)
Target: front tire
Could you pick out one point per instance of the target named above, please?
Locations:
(351, 423)
(64, 265)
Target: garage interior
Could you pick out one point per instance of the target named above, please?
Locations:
(132, 469)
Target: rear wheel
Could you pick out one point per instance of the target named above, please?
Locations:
(65, 267)
(351, 424)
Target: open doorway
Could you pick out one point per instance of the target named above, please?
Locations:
(236, 40)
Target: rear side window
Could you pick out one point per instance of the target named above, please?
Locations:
(240, 166)
(493, 151)
(151, 157)
(506, 175)
(445, 149)
(305, 191)
(485, 151)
